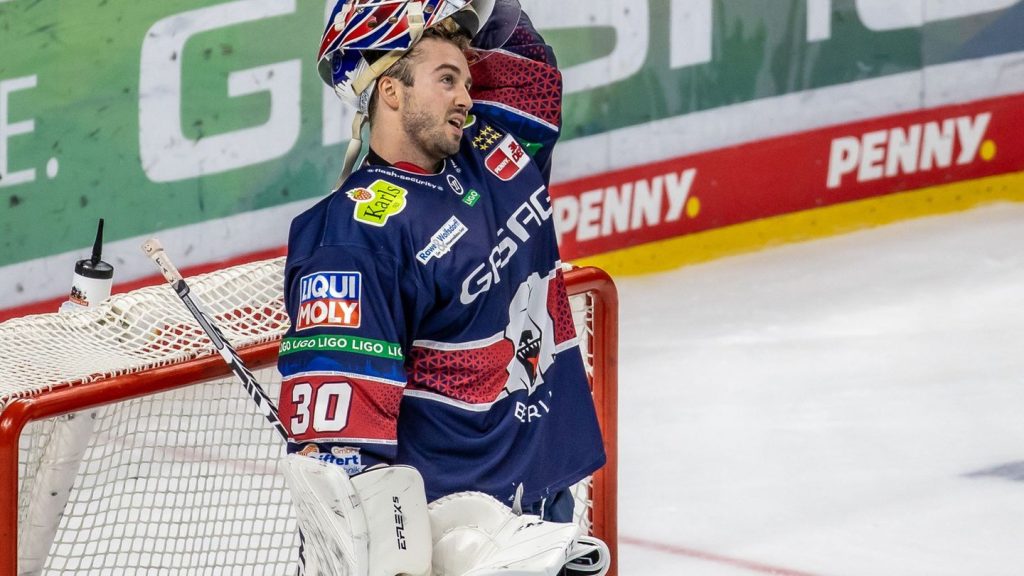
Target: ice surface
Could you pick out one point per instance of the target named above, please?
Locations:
(847, 406)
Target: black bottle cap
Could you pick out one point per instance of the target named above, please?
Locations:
(97, 270)
(94, 267)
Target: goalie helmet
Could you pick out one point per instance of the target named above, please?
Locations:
(357, 28)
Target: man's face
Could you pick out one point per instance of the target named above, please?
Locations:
(434, 108)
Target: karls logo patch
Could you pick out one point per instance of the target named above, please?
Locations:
(507, 160)
(374, 205)
(442, 240)
(329, 300)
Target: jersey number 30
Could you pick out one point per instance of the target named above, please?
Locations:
(324, 407)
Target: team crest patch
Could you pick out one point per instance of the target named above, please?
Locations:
(443, 240)
(507, 160)
(329, 300)
(374, 205)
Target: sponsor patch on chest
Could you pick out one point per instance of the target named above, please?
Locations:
(507, 160)
(374, 205)
(442, 240)
(455, 185)
(329, 300)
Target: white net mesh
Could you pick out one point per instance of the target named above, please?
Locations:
(179, 482)
(139, 330)
(186, 479)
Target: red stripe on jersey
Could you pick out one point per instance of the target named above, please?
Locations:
(325, 407)
(476, 376)
(560, 310)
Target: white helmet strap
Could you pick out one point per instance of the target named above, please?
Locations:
(352, 151)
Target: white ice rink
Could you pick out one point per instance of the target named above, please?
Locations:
(847, 406)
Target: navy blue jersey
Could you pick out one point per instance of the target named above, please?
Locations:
(430, 323)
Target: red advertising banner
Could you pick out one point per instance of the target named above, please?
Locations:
(797, 172)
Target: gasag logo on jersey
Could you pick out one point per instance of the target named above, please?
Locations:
(442, 240)
(455, 185)
(507, 160)
(329, 300)
(374, 205)
(528, 219)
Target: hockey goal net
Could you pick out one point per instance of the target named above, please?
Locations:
(127, 448)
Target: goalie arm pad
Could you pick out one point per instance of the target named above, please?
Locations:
(475, 535)
(372, 524)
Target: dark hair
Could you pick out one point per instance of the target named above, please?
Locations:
(401, 70)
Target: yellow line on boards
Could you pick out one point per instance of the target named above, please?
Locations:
(809, 225)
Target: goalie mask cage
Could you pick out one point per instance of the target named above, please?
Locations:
(127, 447)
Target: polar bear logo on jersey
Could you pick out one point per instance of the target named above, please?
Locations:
(531, 331)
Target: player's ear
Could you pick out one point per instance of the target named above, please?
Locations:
(390, 91)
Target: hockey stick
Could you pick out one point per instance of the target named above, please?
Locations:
(155, 251)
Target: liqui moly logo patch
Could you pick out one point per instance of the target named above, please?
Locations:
(329, 300)
(507, 160)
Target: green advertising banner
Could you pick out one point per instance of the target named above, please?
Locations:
(153, 115)
(651, 60)
(206, 119)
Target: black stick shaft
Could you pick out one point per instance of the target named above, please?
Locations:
(266, 406)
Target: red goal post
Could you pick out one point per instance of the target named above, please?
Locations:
(125, 443)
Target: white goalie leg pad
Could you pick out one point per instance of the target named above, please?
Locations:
(395, 504)
(475, 535)
(330, 516)
(373, 524)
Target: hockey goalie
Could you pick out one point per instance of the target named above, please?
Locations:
(432, 355)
